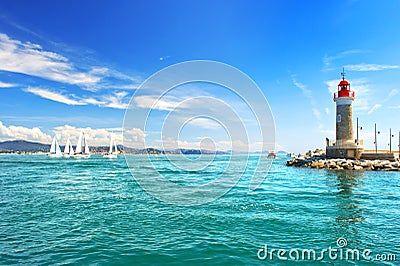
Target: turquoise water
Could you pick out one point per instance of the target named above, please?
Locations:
(59, 211)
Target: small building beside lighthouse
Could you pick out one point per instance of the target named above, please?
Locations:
(345, 146)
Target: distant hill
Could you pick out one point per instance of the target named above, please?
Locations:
(176, 151)
(23, 146)
(28, 146)
(192, 151)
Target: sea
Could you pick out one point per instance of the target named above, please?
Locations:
(95, 212)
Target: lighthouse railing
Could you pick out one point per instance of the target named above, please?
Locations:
(343, 94)
(344, 143)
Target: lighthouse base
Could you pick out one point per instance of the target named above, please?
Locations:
(345, 152)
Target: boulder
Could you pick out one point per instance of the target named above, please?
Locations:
(357, 167)
(348, 166)
(317, 159)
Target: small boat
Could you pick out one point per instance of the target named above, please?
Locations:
(55, 151)
(82, 148)
(68, 150)
(271, 155)
(113, 151)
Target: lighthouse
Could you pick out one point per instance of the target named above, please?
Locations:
(344, 98)
(345, 145)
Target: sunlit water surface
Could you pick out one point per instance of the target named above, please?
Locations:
(64, 211)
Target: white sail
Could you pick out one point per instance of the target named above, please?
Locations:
(58, 150)
(86, 151)
(53, 145)
(71, 149)
(113, 151)
(115, 146)
(111, 146)
(67, 146)
(55, 150)
(68, 150)
(79, 152)
(78, 149)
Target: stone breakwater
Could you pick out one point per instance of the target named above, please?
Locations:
(318, 160)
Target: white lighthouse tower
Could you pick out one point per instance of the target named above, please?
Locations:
(345, 145)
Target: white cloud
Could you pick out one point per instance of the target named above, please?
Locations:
(316, 113)
(205, 123)
(329, 60)
(374, 108)
(112, 79)
(24, 133)
(370, 67)
(96, 136)
(101, 136)
(6, 85)
(308, 94)
(31, 59)
(332, 85)
(54, 96)
(167, 103)
(392, 93)
(92, 101)
(134, 138)
(116, 100)
(362, 94)
(327, 110)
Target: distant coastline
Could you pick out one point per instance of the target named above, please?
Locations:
(30, 147)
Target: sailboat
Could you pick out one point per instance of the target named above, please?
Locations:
(113, 151)
(82, 148)
(68, 150)
(55, 151)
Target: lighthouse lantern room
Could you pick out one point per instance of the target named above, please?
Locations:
(345, 146)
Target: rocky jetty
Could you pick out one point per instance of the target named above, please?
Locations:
(317, 159)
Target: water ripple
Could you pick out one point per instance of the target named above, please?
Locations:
(93, 212)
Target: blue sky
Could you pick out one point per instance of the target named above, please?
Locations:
(67, 65)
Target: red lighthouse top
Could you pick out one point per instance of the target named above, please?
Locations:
(344, 88)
